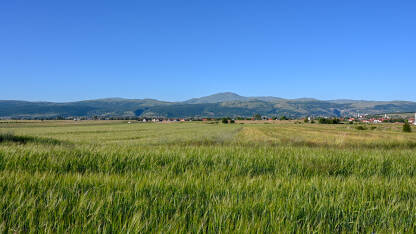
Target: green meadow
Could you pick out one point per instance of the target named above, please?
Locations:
(198, 177)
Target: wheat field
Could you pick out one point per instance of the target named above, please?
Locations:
(196, 177)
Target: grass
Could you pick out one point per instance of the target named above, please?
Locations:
(10, 137)
(195, 177)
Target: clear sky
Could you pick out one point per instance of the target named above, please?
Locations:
(175, 50)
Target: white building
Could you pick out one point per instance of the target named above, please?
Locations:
(414, 122)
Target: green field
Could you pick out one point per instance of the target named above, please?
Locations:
(111, 176)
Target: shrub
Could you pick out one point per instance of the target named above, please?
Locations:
(329, 121)
(224, 120)
(360, 127)
(406, 127)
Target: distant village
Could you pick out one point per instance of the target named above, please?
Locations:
(359, 118)
(385, 119)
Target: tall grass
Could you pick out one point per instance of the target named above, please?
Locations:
(207, 178)
(10, 137)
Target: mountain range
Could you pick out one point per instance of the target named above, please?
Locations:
(217, 105)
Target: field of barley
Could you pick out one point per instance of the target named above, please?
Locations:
(111, 177)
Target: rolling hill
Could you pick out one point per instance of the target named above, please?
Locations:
(217, 105)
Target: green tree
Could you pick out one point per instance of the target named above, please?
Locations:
(329, 121)
(257, 116)
(335, 121)
(323, 121)
(406, 127)
(224, 120)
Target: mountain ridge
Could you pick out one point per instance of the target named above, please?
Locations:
(216, 105)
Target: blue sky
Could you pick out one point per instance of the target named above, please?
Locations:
(176, 50)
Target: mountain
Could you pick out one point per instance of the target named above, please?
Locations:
(228, 97)
(216, 98)
(100, 107)
(217, 105)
